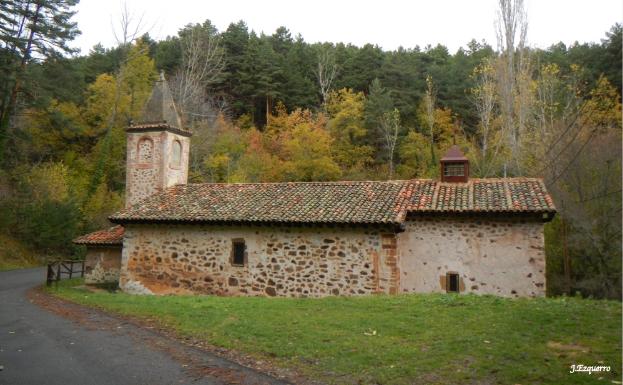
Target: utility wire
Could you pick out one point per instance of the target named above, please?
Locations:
(572, 159)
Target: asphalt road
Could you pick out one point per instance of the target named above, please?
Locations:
(40, 347)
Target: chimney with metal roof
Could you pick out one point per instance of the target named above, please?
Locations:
(454, 166)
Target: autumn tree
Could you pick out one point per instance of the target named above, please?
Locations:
(586, 182)
(513, 70)
(303, 145)
(227, 148)
(114, 101)
(307, 149)
(489, 141)
(414, 151)
(257, 163)
(347, 127)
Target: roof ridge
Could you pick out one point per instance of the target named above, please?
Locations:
(346, 182)
(334, 182)
(514, 178)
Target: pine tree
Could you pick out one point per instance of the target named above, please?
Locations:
(29, 30)
(378, 103)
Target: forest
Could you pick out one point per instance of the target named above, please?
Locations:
(273, 107)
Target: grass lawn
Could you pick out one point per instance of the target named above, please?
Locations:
(16, 255)
(406, 339)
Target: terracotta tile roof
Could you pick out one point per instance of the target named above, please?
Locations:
(111, 236)
(336, 202)
(487, 195)
(328, 202)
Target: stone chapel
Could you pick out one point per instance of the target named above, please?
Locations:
(453, 235)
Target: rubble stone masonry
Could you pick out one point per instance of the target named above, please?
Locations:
(501, 256)
(279, 261)
(102, 264)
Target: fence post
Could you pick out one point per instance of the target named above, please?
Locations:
(71, 270)
(50, 275)
(58, 272)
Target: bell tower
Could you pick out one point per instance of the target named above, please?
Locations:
(157, 147)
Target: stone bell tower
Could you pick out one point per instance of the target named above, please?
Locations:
(157, 147)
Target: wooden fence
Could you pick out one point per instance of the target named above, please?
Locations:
(57, 269)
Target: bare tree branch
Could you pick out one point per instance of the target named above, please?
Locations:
(430, 99)
(326, 72)
(390, 127)
(202, 65)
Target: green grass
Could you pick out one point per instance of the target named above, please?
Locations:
(406, 339)
(16, 255)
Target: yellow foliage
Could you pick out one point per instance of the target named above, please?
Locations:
(346, 125)
(345, 109)
(226, 150)
(100, 101)
(100, 204)
(135, 81)
(56, 128)
(49, 181)
(138, 75)
(302, 144)
(444, 130)
(416, 156)
(257, 164)
(308, 154)
(603, 109)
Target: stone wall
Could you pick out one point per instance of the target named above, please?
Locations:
(280, 261)
(501, 256)
(102, 264)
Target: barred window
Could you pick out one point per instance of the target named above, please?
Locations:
(454, 169)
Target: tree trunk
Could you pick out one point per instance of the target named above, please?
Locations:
(565, 256)
(10, 109)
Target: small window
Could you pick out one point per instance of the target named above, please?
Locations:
(454, 169)
(238, 252)
(452, 283)
(176, 156)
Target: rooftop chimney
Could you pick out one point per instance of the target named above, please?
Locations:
(454, 166)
